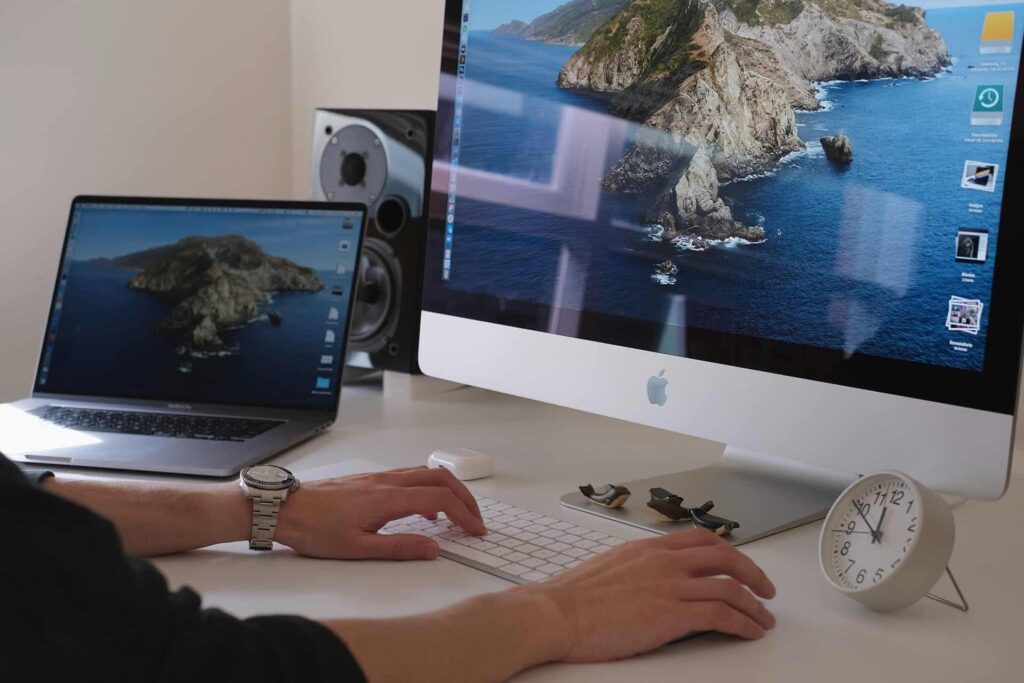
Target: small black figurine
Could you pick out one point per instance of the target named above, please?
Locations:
(669, 507)
(609, 495)
(719, 525)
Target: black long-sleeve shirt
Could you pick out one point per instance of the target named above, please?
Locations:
(74, 607)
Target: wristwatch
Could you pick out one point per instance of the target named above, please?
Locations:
(267, 486)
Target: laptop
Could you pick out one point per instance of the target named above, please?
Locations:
(190, 336)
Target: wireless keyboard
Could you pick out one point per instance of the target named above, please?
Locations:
(521, 546)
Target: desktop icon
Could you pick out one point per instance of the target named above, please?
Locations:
(964, 315)
(997, 33)
(971, 245)
(344, 245)
(656, 389)
(979, 175)
(329, 337)
(326, 360)
(988, 106)
(348, 224)
(342, 269)
(323, 383)
(337, 290)
(332, 314)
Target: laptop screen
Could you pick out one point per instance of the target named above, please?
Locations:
(241, 303)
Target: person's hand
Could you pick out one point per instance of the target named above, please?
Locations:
(644, 594)
(339, 518)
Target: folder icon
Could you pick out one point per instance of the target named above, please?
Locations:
(329, 337)
(332, 314)
(997, 33)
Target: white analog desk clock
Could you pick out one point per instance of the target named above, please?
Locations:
(887, 540)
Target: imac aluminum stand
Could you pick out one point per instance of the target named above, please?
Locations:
(764, 494)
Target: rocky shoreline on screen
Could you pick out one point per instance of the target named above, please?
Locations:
(213, 284)
(717, 84)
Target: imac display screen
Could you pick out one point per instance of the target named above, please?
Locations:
(243, 305)
(811, 187)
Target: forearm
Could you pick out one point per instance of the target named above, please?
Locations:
(161, 518)
(487, 638)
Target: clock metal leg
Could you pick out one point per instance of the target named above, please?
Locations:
(962, 606)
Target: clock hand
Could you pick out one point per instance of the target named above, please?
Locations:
(860, 511)
(847, 531)
(879, 526)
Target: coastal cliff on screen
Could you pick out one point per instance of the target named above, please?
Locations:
(724, 79)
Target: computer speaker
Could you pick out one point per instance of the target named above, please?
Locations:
(380, 158)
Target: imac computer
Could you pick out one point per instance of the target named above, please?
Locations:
(794, 228)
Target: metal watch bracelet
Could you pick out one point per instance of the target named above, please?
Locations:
(265, 509)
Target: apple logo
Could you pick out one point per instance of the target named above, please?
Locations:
(656, 389)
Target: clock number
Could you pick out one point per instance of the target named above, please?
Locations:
(860, 576)
(845, 549)
(909, 505)
(865, 508)
(851, 526)
(878, 575)
(897, 496)
(849, 566)
(879, 497)
(912, 528)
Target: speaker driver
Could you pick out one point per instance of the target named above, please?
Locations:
(392, 215)
(375, 311)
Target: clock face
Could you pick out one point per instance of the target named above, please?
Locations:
(269, 474)
(872, 530)
(989, 97)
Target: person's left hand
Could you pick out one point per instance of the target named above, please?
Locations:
(340, 518)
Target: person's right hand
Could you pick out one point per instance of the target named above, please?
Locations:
(340, 518)
(644, 594)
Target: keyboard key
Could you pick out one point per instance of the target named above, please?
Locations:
(550, 568)
(535, 576)
(532, 562)
(559, 547)
(516, 556)
(543, 553)
(528, 548)
(471, 554)
(515, 569)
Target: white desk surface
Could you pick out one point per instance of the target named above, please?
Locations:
(543, 452)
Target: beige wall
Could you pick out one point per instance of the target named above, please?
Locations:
(349, 53)
(127, 96)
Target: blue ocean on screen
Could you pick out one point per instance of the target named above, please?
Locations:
(860, 258)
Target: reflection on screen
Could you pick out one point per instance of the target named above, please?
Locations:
(725, 166)
(202, 304)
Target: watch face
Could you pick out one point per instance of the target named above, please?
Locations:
(873, 528)
(268, 475)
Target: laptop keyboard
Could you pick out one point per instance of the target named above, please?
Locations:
(521, 546)
(172, 425)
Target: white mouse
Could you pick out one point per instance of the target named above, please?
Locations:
(464, 463)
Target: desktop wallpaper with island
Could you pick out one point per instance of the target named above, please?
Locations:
(795, 168)
(229, 306)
